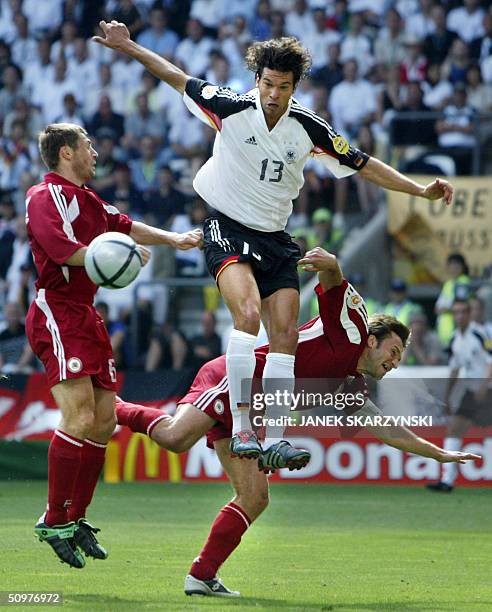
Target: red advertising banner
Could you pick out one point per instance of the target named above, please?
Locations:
(28, 412)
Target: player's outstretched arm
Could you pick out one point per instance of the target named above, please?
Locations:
(385, 176)
(146, 234)
(325, 264)
(117, 37)
(406, 440)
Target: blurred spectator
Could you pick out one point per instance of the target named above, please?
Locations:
(12, 336)
(388, 48)
(194, 50)
(209, 12)
(143, 122)
(414, 64)
(28, 115)
(219, 73)
(456, 287)
(331, 73)
(317, 40)
(166, 201)
(24, 46)
(104, 176)
(45, 16)
(477, 314)
(352, 102)
(12, 89)
(456, 63)
(356, 45)
(424, 348)
(421, 24)
(456, 131)
(191, 262)
(403, 129)
(117, 331)
(127, 12)
(7, 237)
(438, 43)
(277, 21)
(466, 21)
(70, 112)
(368, 194)
(323, 233)
(390, 95)
(9, 8)
(126, 75)
(479, 94)
(16, 157)
(105, 86)
(19, 273)
(105, 122)
(157, 37)
(207, 345)
(481, 48)
(121, 189)
(239, 8)
(41, 70)
(50, 93)
(400, 305)
(168, 349)
(144, 168)
(260, 27)
(65, 46)
(299, 22)
(437, 91)
(82, 67)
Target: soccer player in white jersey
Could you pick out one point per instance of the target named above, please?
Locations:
(264, 139)
(472, 355)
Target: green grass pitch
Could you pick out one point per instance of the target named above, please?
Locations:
(342, 548)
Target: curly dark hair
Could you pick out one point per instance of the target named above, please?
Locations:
(381, 326)
(284, 54)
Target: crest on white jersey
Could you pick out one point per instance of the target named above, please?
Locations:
(291, 155)
(209, 91)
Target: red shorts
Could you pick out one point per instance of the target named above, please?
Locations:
(71, 340)
(210, 393)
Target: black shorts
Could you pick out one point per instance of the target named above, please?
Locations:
(273, 256)
(479, 413)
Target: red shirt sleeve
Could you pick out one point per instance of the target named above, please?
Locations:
(117, 222)
(343, 313)
(48, 223)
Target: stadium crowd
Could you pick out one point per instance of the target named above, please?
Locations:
(371, 59)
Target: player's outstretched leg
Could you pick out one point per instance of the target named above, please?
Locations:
(85, 539)
(244, 444)
(283, 455)
(61, 539)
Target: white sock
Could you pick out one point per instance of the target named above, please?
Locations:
(450, 470)
(278, 376)
(240, 366)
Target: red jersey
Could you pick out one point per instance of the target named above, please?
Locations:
(330, 345)
(61, 218)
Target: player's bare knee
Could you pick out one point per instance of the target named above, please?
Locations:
(284, 339)
(247, 317)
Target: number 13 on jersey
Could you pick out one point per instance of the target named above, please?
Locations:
(277, 170)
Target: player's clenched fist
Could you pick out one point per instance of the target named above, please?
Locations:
(116, 35)
(188, 240)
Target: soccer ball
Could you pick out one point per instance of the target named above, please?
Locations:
(112, 260)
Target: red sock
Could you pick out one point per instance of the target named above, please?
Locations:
(138, 418)
(91, 464)
(224, 537)
(64, 456)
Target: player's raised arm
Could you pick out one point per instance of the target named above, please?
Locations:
(387, 177)
(117, 37)
(325, 264)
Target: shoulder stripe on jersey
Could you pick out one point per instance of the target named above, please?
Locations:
(207, 396)
(304, 111)
(61, 207)
(361, 307)
(228, 93)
